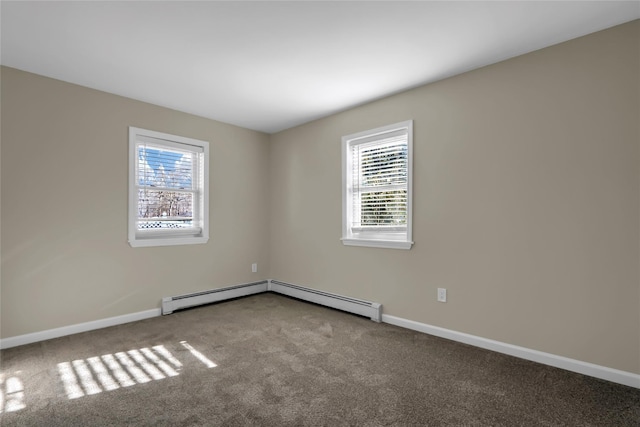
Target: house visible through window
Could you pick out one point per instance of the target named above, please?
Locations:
(377, 187)
(168, 191)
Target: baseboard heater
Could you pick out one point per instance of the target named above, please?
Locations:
(368, 309)
(170, 304)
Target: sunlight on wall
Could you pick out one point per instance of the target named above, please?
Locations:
(11, 393)
(123, 369)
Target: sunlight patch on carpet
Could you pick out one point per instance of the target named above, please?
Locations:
(84, 377)
(11, 393)
(208, 363)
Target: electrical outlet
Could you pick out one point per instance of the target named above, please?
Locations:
(442, 295)
(254, 267)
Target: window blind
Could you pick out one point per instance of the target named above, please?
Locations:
(168, 185)
(379, 180)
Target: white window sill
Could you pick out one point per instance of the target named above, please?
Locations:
(138, 243)
(378, 243)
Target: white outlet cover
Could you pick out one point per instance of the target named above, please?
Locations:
(442, 295)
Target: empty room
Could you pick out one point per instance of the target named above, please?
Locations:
(283, 213)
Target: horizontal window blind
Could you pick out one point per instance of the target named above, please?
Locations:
(379, 182)
(167, 185)
(377, 186)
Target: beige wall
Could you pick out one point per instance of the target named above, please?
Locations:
(65, 256)
(526, 203)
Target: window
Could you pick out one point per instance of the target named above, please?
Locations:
(376, 168)
(168, 189)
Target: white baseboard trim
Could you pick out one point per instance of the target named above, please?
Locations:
(77, 328)
(585, 368)
(590, 369)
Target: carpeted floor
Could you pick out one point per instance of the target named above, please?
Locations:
(273, 361)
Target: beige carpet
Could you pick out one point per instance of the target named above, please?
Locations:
(273, 361)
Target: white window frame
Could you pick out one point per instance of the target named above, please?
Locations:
(200, 234)
(392, 238)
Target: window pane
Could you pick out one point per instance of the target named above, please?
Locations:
(387, 208)
(159, 167)
(383, 165)
(164, 209)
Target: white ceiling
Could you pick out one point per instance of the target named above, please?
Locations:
(271, 65)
